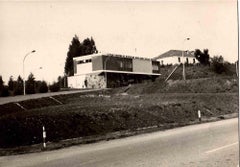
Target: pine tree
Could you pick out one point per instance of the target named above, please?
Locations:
(76, 48)
(11, 84)
(30, 84)
(73, 51)
(18, 90)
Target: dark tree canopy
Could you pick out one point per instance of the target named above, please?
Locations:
(202, 57)
(218, 64)
(76, 48)
(30, 84)
(10, 84)
(1, 82)
(18, 90)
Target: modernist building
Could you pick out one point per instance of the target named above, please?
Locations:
(111, 70)
(173, 57)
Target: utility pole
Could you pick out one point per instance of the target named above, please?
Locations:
(184, 72)
(24, 89)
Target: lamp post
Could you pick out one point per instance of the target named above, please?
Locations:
(184, 73)
(24, 92)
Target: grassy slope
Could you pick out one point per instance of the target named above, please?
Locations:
(145, 105)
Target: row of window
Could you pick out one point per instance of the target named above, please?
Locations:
(126, 65)
(179, 60)
(84, 61)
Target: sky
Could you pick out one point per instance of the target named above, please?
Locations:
(136, 28)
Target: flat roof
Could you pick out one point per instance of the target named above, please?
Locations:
(124, 72)
(85, 57)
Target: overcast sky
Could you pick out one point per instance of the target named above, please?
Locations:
(117, 27)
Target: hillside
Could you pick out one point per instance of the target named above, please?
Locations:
(199, 79)
(156, 104)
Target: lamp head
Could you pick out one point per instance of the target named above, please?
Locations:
(33, 51)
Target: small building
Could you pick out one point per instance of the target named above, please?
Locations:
(111, 70)
(173, 57)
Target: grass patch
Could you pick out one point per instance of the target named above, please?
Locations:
(84, 115)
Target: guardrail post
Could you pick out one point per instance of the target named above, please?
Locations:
(44, 138)
(199, 115)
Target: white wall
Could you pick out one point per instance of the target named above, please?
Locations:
(76, 81)
(174, 60)
(84, 68)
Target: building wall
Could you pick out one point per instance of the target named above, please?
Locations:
(142, 65)
(97, 63)
(87, 81)
(176, 60)
(156, 67)
(117, 63)
(95, 81)
(77, 81)
(84, 68)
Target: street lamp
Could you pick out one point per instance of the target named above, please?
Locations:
(24, 92)
(184, 73)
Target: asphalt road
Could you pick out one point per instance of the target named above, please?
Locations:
(204, 145)
(9, 99)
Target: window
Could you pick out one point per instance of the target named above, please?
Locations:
(179, 59)
(121, 64)
(193, 61)
(129, 65)
(80, 62)
(74, 66)
(155, 67)
(88, 60)
(187, 60)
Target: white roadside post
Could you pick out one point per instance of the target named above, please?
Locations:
(44, 137)
(199, 115)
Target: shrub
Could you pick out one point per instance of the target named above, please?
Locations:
(4, 92)
(43, 87)
(54, 87)
(30, 84)
(218, 65)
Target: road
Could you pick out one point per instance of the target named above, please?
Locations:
(204, 145)
(4, 100)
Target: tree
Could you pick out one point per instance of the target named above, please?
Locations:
(54, 87)
(76, 48)
(5, 92)
(30, 84)
(202, 57)
(11, 84)
(2, 87)
(1, 84)
(218, 64)
(43, 87)
(18, 90)
(73, 51)
(88, 46)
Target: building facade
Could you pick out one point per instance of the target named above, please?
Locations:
(111, 70)
(173, 57)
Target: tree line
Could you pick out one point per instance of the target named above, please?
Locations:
(32, 86)
(217, 62)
